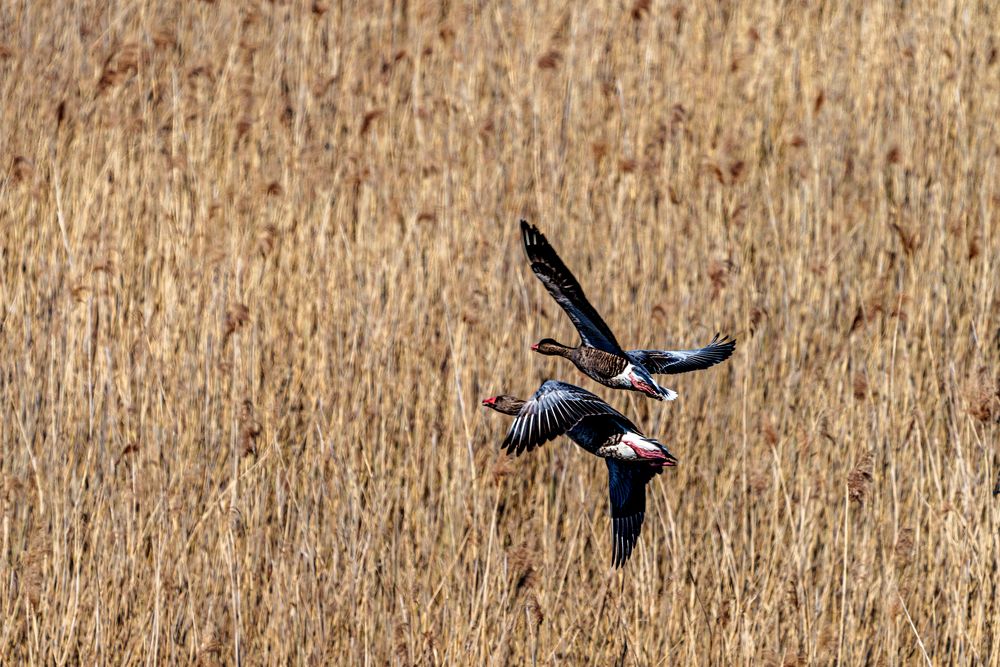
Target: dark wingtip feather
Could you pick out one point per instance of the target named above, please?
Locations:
(509, 445)
(621, 554)
(532, 238)
(530, 233)
(723, 344)
(625, 536)
(616, 552)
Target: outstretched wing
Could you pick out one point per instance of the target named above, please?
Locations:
(682, 361)
(627, 489)
(554, 409)
(565, 289)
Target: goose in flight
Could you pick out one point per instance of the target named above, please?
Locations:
(558, 408)
(599, 355)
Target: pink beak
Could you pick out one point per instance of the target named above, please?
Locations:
(535, 346)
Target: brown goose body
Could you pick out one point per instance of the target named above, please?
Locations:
(599, 365)
(558, 408)
(612, 369)
(599, 355)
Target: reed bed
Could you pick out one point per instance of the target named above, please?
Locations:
(259, 263)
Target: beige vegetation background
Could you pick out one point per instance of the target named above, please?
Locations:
(259, 263)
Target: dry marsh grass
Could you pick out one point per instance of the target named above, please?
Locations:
(260, 263)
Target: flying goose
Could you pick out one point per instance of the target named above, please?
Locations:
(599, 355)
(558, 408)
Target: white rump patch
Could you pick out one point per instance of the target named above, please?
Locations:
(620, 451)
(638, 441)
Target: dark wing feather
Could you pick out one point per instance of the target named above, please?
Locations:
(565, 289)
(681, 361)
(627, 490)
(554, 409)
